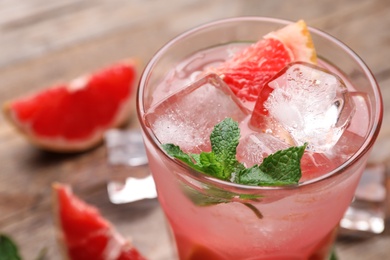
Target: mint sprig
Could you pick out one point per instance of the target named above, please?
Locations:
(278, 169)
(221, 162)
(8, 249)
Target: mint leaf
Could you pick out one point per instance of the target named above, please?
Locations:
(333, 255)
(280, 168)
(8, 249)
(224, 141)
(253, 176)
(221, 162)
(175, 151)
(285, 165)
(204, 162)
(204, 198)
(210, 164)
(212, 196)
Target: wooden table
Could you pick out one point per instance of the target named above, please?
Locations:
(43, 42)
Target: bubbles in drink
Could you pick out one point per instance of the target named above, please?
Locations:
(188, 117)
(307, 103)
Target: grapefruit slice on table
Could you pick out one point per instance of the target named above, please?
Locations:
(248, 70)
(73, 116)
(83, 233)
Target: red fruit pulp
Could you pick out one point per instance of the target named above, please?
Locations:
(76, 110)
(247, 72)
(85, 234)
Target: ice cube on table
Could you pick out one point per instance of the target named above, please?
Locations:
(129, 178)
(253, 148)
(125, 147)
(188, 117)
(310, 103)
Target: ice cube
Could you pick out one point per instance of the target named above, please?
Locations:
(125, 147)
(188, 117)
(129, 178)
(310, 103)
(314, 165)
(360, 124)
(348, 144)
(253, 148)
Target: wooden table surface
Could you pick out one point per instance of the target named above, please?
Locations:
(43, 42)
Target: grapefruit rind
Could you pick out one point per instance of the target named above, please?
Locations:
(61, 144)
(295, 36)
(72, 245)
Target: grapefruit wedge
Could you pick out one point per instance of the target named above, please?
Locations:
(73, 116)
(248, 70)
(83, 233)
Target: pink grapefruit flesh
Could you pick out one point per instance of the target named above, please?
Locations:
(83, 233)
(73, 116)
(248, 71)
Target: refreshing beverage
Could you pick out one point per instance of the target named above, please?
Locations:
(186, 102)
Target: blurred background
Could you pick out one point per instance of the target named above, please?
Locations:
(43, 42)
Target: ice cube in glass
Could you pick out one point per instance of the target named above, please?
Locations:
(305, 103)
(188, 117)
(253, 148)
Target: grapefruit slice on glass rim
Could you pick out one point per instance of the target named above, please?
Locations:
(248, 70)
(73, 116)
(83, 233)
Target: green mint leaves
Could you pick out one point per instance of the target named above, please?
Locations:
(8, 249)
(221, 161)
(280, 168)
(224, 141)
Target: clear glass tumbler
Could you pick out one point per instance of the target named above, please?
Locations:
(207, 216)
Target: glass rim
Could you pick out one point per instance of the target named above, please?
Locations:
(365, 147)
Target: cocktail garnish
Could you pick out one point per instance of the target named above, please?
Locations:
(278, 169)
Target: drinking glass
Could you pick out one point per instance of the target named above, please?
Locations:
(210, 218)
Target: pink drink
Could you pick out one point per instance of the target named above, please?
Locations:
(214, 219)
